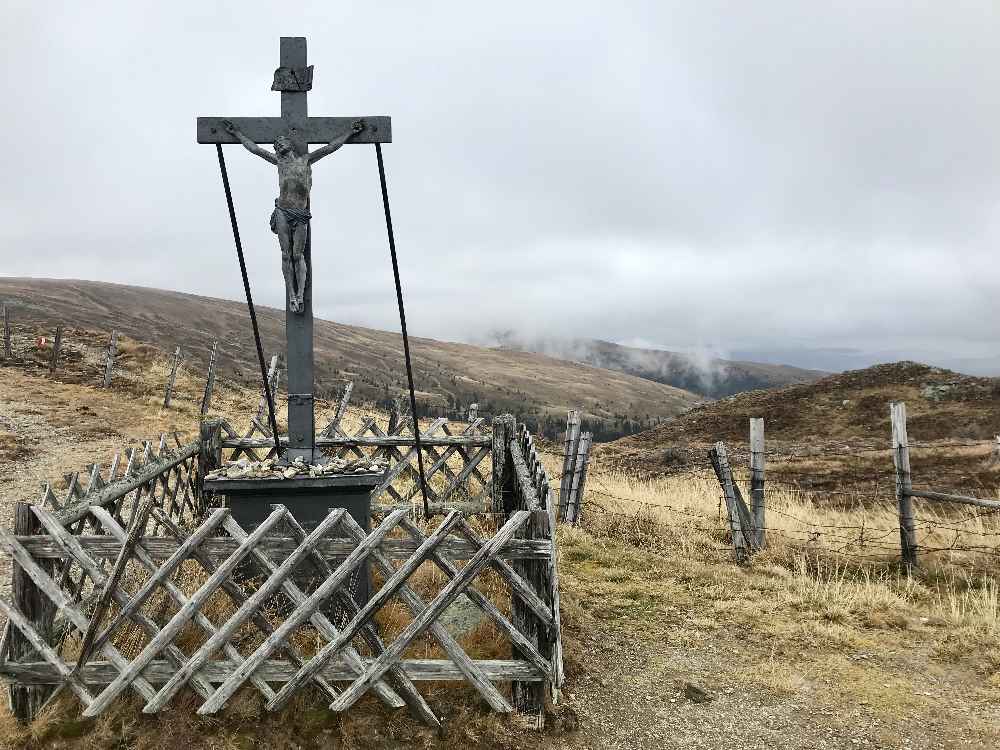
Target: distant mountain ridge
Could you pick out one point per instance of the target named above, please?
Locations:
(449, 376)
(707, 376)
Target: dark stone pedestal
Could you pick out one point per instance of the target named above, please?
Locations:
(309, 499)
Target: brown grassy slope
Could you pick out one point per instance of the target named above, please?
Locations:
(532, 385)
(838, 426)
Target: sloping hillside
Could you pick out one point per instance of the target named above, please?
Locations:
(450, 376)
(707, 376)
(839, 429)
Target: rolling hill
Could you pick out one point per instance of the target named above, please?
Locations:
(838, 430)
(707, 376)
(450, 376)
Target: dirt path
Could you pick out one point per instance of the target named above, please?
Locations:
(630, 653)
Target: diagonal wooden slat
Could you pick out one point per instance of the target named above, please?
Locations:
(441, 460)
(463, 475)
(404, 463)
(376, 602)
(74, 550)
(334, 426)
(517, 584)
(111, 583)
(18, 620)
(259, 597)
(303, 612)
(408, 691)
(69, 608)
(526, 648)
(445, 597)
(164, 571)
(236, 594)
(200, 685)
(473, 674)
(179, 620)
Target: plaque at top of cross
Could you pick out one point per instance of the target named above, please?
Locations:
(291, 134)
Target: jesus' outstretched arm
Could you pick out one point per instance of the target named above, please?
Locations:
(249, 145)
(333, 145)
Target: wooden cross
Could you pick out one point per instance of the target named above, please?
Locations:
(294, 79)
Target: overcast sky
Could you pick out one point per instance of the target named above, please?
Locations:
(766, 176)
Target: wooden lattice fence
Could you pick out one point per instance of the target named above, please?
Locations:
(130, 585)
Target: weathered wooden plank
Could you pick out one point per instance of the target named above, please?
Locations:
(68, 608)
(215, 672)
(403, 441)
(56, 345)
(36, 690)
(570, 449)
(109, 362)
(236, 593)
(420, 622)
(132, 480)
(451, 647)
(366, 612)
(177, 656)
(525, 646)
(333, 428)
(904, 486)
(74, 551)
(222, 634)
(579, 480)
(725, 476)
(378, 129)
(407, 690)
(503, 432)
(945, 497)
(757, 458)
(30, 602)
(172, 379)
(301, 613)
(111, 582)
(517, 584)
(161, 575)
(179, 620)
(206, 397)
(8, 351)
(277, 548)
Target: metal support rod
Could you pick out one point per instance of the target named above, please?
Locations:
(402, 325)
(250, 307)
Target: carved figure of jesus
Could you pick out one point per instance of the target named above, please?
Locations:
(290, 218)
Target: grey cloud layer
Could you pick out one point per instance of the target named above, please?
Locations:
(741, 176)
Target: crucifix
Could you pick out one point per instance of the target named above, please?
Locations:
(291, 135)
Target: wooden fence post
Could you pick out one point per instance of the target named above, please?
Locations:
(169, 394)
(109, 363)
(7, 350)
(56, 344)
(570, 448)
(901, 460)
(206, 399)
(757, 508)
(529, 697)
(38, 609)
(739, 518)
(580, 465)
(394, 416)
(210, 453)
(502, 479)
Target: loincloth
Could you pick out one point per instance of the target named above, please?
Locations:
(294, 217)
